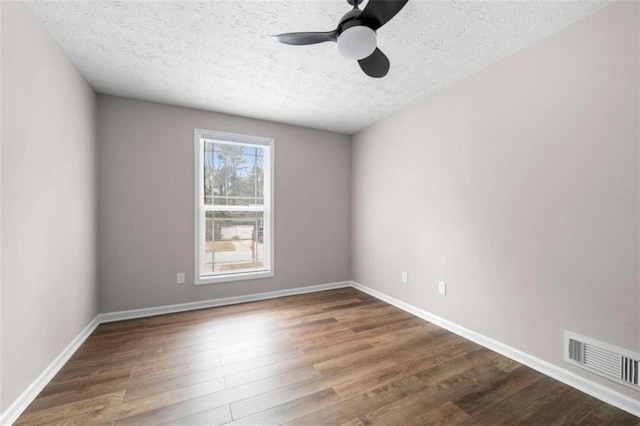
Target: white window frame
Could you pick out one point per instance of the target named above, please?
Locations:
(201, 209)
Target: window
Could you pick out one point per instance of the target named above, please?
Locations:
(234, 207)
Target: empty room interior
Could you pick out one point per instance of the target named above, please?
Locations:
(320, 212)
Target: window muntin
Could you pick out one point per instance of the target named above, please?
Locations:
(234, 234)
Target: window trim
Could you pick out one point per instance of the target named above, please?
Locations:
(198, 135)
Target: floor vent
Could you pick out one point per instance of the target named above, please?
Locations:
(603, 359)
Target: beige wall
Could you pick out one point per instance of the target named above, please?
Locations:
(146, 213)
(517, 186)
(48, 201)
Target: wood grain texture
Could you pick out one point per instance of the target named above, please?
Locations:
(336, 357)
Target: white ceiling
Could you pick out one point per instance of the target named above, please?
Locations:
(216, 55)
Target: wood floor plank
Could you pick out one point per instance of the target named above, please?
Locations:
(353, 422)
(153, 402)
(444, 414)
(72, 395)
(285, 412)
(363, 403)
(192, 406)
(379, 321)
(348, 335)
(328, 358)
(264, 360)
(411, 407)
(377, 352)
(448, 368)
(573, 408)
(279, 396)
(261, 372)
(523, 404)
(213, 417)
(282, 395)
(58, 393)
(137, 389)
(70, 410)
(504, 387)
(400, 412)
(608, 414)
(391, 374)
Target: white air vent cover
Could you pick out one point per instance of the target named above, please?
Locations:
(603, 359)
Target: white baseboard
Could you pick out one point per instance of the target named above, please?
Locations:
(567, 377)
(12, 413)
(191, 306)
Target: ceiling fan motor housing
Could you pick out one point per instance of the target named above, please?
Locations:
(356, 40)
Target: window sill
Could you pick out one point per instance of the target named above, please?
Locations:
(242, 276)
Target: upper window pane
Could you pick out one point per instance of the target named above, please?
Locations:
(233, 174)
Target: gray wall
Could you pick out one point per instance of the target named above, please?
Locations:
(146, 212)
(48, 201)
(517, 186)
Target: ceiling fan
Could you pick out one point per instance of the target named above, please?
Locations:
(356, 34)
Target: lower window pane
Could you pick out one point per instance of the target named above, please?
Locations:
(234, 242)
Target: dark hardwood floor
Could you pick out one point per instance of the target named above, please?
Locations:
(329, 358)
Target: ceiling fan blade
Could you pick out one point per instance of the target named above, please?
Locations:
(379, 12)
(299, 39)
(375, 65)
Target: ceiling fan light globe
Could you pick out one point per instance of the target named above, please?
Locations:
(357, 42)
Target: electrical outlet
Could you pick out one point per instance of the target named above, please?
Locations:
(405, 277)
(442, 288)
(180, 278)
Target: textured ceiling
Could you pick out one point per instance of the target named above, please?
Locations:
(217, 55)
